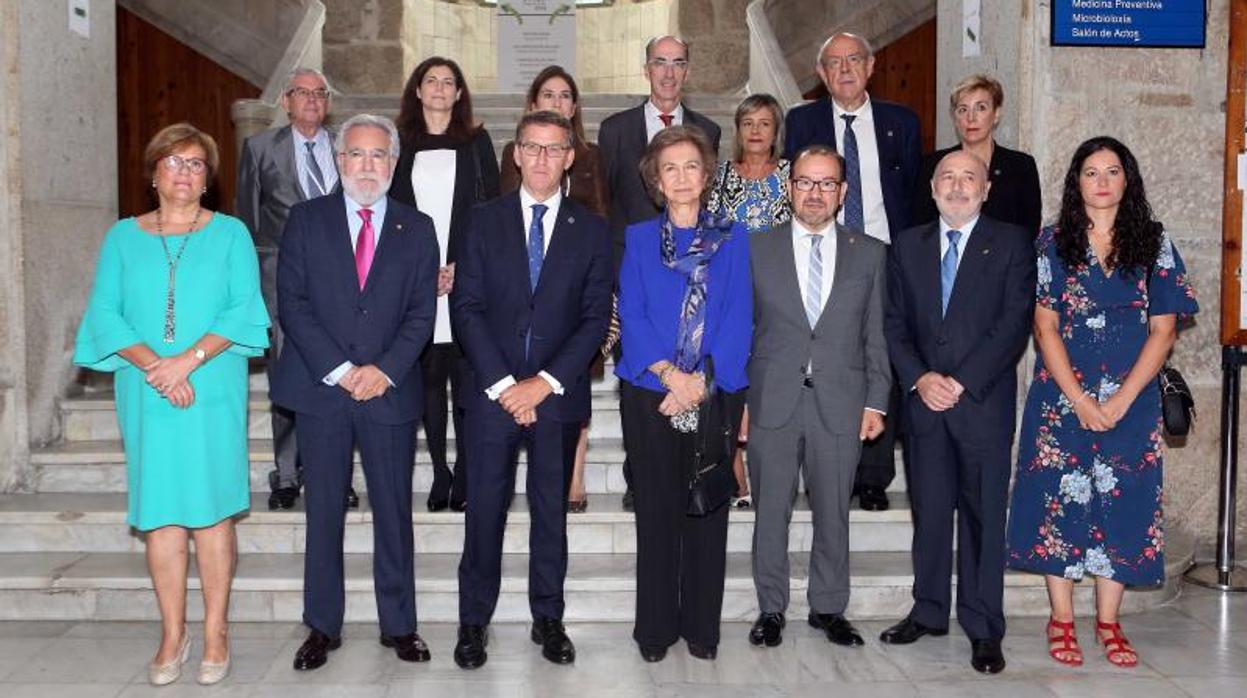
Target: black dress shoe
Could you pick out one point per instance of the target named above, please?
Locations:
(838, 630)
(707, 653)
(470, 650)
(437, 504)
(409, 648)
(283, 498)
(628, 504)
(872, 498)
(653, 653)
(767, 630)
(352, 499)
(555, 645)
(986, 657)
(315, 650)
(458, 505)
(907, 631)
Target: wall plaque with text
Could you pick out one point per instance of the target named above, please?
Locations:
(533, 34)
(1137, 23)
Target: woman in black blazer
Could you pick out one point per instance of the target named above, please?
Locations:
(446, 166)
(975, 105)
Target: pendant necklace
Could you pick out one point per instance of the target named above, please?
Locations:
(172, 261)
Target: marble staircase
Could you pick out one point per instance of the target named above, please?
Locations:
(67, 554)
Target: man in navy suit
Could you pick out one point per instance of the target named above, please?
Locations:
(961, 295)
(530, 307)
(356, 295)
(882, 149)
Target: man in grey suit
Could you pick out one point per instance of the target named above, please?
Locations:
(624, 136)
(281, 167)
(818, 386)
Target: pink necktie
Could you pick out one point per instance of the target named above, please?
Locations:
(365, 246)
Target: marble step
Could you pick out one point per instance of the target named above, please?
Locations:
(93, 417)
(600, 587)
(99, 466)
(97, 523)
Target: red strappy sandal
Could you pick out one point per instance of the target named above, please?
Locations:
(1117, 649)
(1068, 652)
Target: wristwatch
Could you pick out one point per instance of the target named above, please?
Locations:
(200, 354)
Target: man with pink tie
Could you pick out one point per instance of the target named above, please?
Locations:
(356, 290)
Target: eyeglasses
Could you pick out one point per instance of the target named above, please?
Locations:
(663, 63)
(807, 184)
(553, 150)
(359, 154)
(176, 163)
(853, 60)
(303, 93)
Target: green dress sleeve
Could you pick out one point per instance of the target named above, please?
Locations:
(243, 320)
(104, 330)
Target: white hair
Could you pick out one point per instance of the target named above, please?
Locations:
(861, 41)
(372, 121)
(300, 72)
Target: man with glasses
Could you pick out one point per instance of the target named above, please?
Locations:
(530, 307)
(281, 167)
(349, 370)
(818, 290)
(882, 150)
(624, 136)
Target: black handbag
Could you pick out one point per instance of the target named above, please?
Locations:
(711, 480)
(1177, 405)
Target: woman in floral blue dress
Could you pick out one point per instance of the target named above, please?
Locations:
(1088, 492)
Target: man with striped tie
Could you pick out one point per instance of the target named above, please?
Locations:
(882, 150)
(281, 167)
(818, 290)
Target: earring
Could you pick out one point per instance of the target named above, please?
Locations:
(203, 191)
(153, 184)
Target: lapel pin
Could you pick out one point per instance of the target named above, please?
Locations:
(995, 173)
(889, 134)
(571, 219)
(398, 226)
(986, 251)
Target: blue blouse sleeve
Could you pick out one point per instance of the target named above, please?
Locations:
(104, 330)
(1049, 272)
(243, 320)
(1169, 291)
(641, 345)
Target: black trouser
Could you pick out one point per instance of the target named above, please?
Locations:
(286, 472)
(681, 559)
(877, 466)
(439, 364)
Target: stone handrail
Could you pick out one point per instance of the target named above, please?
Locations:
(768, 68)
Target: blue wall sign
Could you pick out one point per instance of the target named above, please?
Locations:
(1138, 23)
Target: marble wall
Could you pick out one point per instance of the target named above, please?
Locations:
(719, 38)
(13, 414)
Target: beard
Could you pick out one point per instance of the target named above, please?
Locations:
(364, 189)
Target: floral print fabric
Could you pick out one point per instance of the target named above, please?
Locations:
(1085, 502)
(760, 204)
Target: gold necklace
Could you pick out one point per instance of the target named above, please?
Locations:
(172, 261)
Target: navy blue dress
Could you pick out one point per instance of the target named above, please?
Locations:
(1087, 502)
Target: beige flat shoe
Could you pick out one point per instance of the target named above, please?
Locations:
(167, 673)
(212, 672)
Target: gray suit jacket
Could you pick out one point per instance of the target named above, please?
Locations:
(846, 345)
(268, 186)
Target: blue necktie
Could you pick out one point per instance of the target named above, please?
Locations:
(948, 270)
(854, 219)
(814, 282)
(536, 245)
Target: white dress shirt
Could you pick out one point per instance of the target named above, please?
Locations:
(653, 124)
(323, 150)
(354, 224)
(433, 182)
(873, 211)
(961, 243)
(547, 227)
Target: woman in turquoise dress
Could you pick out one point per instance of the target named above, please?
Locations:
(174, 313)
(1087, 497)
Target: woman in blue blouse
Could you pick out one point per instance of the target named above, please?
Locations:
(1087, 497)
(684, 295)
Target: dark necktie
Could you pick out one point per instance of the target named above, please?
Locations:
(536, 245)
(316, 178)
(666, 119)
(948, 270)
(854, 219)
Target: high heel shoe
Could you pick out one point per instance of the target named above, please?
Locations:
(212, 672)
(1067, 652)
(167, 673)
(1117, 649)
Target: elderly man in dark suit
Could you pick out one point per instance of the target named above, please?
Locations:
(357, 289)
(818, 290)
(624, 136)
(531, 305)
(882, 150)
(281, 167)
(961, 296)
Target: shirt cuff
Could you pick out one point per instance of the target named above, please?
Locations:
(387, 378)
(336, 374)
(555, 385)
(493, 391)
(878, 411)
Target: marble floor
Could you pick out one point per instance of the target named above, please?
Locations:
(1195, 646)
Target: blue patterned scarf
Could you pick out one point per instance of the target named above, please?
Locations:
(694, 265)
